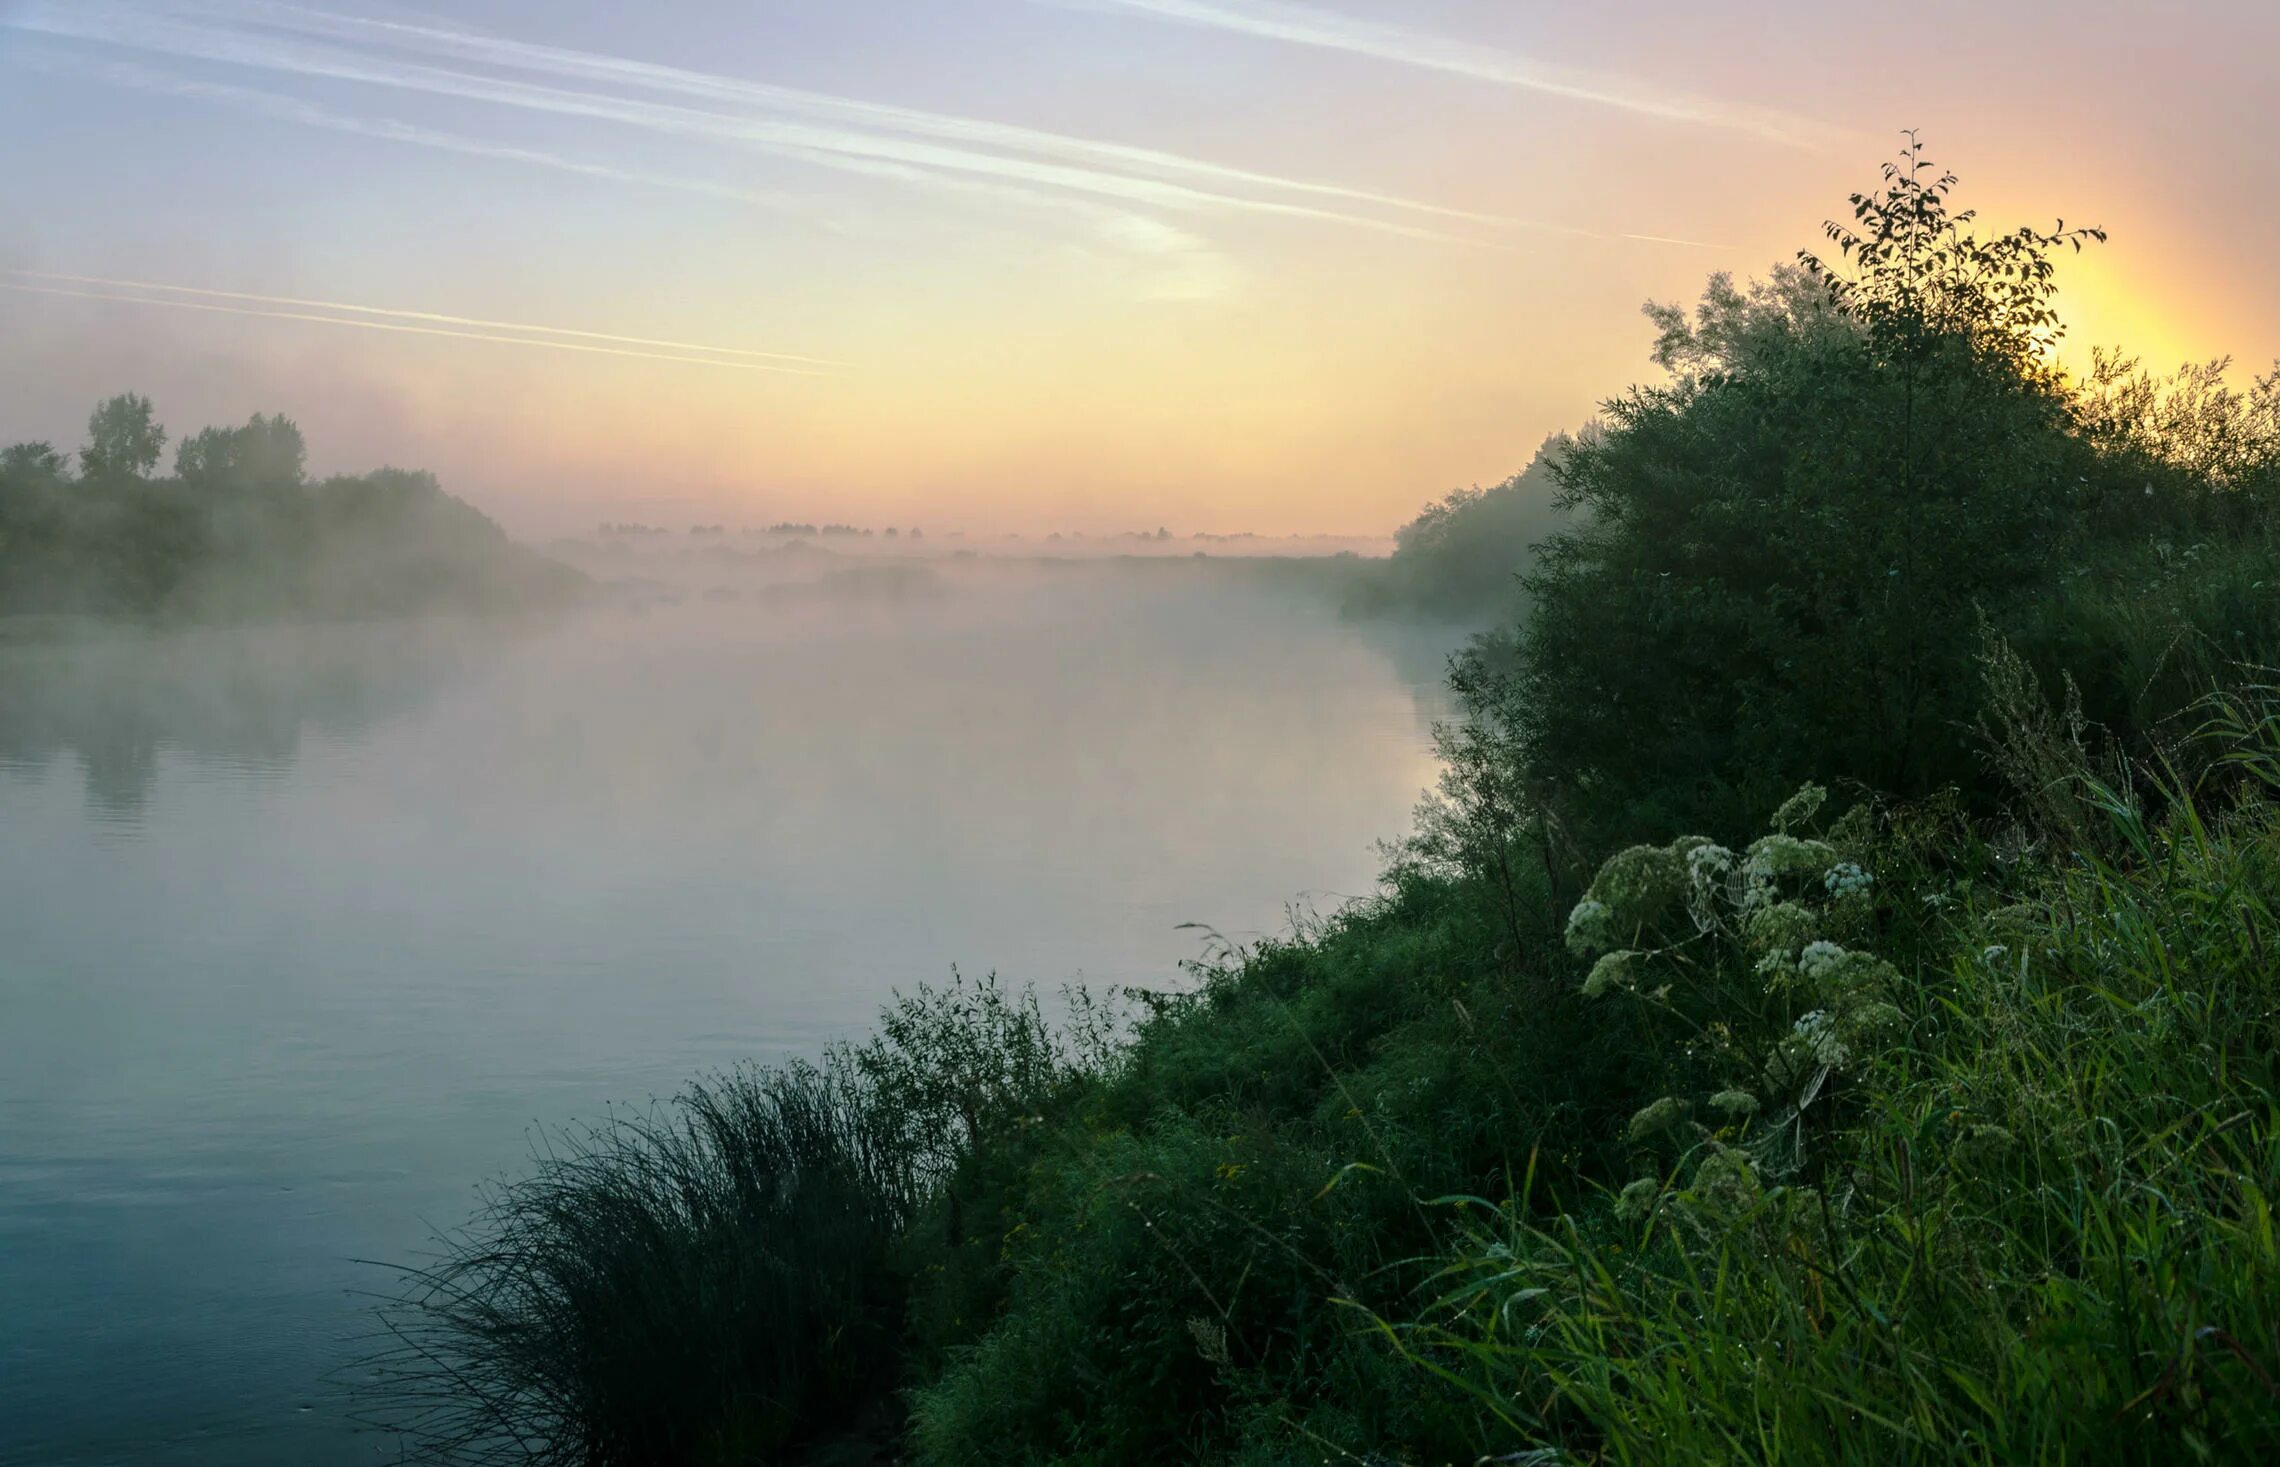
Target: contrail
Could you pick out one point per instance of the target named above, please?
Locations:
(279, 107)
(841, 148)
(592, 67)
(409, 330)
(1307, 25)
(834, 132)
(436, 316)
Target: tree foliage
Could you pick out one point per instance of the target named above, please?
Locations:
(265, 453)
(1463, 556)
(124, 439)
(1782, 554)
(238, 529)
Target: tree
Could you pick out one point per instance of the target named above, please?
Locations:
(1921, 282)
(268, 452)
(32, 462)
(28, 472)
(1463, 556)
(123, 439)
(1781, 556)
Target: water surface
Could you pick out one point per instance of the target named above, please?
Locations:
(303, 930)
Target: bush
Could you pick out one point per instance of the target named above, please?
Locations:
(708, 1283)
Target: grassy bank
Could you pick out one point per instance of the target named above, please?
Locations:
(1825, 1014)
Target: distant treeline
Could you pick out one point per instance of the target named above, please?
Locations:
(796, 527)
(781, 527)
(1461, 559)
(239, 529)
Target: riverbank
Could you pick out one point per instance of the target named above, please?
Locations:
(1823, 1014)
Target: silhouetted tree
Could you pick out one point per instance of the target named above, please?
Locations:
(267, 452)
(123, 439)
(37, 461)
(239, 531)
(1784, 553)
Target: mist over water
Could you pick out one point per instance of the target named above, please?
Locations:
(303, 930)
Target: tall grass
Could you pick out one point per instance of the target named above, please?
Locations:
(706, 1282)
(2036, 1226)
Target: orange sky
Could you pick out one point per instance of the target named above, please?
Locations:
(1071, 264)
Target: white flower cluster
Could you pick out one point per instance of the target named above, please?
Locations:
(1846, 878)
(1819, 960)
(1638, 1199)
(1590, 928)
(1819, 1031)
(1663, 1115)
(1799, 807)
(1773, 859)
(1709, 880)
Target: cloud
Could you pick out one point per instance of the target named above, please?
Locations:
(1307, 25)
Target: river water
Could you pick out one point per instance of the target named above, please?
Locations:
(306, 931)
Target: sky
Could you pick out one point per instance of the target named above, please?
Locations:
(1285, 266)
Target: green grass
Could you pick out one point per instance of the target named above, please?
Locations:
(704, 1283)
(2036, 1226)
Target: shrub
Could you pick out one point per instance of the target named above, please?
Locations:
(705, 1283)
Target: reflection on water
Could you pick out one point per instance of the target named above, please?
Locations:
(236, 699)
(302, 931)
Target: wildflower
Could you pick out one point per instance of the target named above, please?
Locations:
(1799, 807)
(1818, 959)
(1638, 883)
(1638, 1199)
(1734, 1104)
(1811, 1047)
(1819, 1031)
(1655, 1119)
(1590, 928)
(1709, 875)
(1725, 1187)
(1615, 970)
(1843, 979)
(1774, 857)
(1708, 863)
(1846, 878)
(1782, 927)
(1874, 1021)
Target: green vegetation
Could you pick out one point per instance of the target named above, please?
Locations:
(1666, 1105)
(1462, 558)
(239, 530)
(704, 1284)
